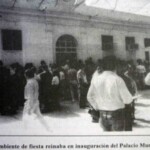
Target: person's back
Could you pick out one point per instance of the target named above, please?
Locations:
(109, 95)
(72, 77)
(62, 75)
(81, 77)
(147, 79)
(95, 75)
(95, 114)
(31, 111)
(72, 74)
(46, 79)
(107, 89)
(31, 90)
(45, 89)
(141, 68)
(31, 94)
(13, 91)
(82, 87)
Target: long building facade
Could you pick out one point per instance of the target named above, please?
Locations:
(56, 36)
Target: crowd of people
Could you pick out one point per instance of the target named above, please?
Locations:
(56, 83)
(113, 91)
(69, 81)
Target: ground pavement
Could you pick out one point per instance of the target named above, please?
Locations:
(71, 120)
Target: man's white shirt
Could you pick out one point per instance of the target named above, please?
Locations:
(147, 79)
(108, 92)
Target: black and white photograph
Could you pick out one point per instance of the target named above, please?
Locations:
(74, 67)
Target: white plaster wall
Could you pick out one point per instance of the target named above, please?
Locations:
(40, 35)
(89, 40)
(9, 57)
(37, 42)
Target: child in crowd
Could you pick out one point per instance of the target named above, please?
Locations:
(31, 94)
(31, 106)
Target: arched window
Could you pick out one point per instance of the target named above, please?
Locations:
(66, 48)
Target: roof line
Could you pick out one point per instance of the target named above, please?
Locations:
(14, 4)
(41, 3)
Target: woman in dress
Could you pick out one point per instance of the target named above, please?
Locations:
(31, 94)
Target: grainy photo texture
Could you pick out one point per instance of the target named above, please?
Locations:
(74, 67)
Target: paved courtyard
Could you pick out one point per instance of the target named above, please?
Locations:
(71, 120)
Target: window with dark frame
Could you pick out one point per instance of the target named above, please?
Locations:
(147, 56)
(147, 42)
(129, 42)
(66, 43)
(107, 42)
(11, 39)
(66, 48)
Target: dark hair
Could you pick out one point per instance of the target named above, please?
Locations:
(13, 66)
(29, 73)
(72, 65)
(54, 66)
(43, 62)
(109, 63)
(28, 65)
(45, 67)
(139, 61)
(1, 63)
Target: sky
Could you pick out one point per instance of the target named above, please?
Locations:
(140, 7)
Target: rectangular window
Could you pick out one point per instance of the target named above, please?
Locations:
(11, 39)
(130, 42)
(147, 42)
(107, 42)
(147, 56)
